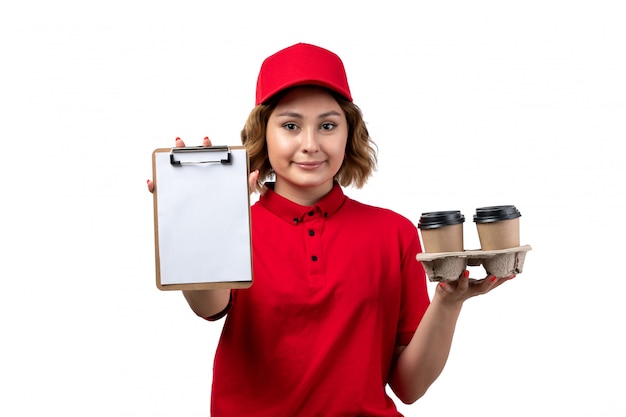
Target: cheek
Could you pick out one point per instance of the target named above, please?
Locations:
(277, 150)
(339, 150)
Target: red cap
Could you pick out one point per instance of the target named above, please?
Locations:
(301, 64)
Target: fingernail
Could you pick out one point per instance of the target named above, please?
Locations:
(465, 274)
(206, 138)
(442, 284)
(493, 279)
(177, 138)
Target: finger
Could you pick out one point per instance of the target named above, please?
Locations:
(252, 180)
(500, 281)
(150, 186)
(487, 285)
(446, 287)
(206, 141)
(180, 143)
(463, 281)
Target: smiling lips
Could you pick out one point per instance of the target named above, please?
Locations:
(309, 165)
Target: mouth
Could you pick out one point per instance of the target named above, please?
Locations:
(309, 165)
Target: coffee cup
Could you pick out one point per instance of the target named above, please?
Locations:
(498, 227)
(442, 231)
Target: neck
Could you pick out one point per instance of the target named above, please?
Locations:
(307, 197)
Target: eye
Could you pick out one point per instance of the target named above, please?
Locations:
(328, 126)
(290, 126)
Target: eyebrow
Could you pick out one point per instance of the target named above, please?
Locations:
(299, 116)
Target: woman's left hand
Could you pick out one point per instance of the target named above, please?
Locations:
(466, 287)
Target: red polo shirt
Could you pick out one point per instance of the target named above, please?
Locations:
(336, 289)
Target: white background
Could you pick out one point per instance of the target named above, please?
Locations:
(471, 103)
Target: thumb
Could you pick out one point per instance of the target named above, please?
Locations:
(252, 181)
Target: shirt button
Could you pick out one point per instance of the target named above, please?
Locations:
(311, 213)
(314, 258)
(311, 232)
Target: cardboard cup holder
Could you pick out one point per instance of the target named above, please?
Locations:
(448, 266)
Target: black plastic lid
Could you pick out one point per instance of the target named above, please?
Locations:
(496, 213)
(435, 219)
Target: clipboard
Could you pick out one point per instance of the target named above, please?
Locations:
(202, 227)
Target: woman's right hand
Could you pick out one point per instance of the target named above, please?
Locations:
(252, 179)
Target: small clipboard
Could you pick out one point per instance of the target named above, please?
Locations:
(202, 218)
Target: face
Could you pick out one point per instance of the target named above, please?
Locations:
(306, 141)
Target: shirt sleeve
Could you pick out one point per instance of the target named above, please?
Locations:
(414, 299)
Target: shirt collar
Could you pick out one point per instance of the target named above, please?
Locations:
(293, 212)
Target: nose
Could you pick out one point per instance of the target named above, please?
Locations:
(310, 141)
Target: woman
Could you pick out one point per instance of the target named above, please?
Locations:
(339, 307)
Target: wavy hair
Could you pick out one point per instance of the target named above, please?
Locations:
(360, 155)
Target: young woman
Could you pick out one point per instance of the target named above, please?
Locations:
(339, 307)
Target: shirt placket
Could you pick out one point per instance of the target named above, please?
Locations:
(312, 227)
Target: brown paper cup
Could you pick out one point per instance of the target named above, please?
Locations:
(443, 239)
(498, 227)
(503, 234)
(442, 231)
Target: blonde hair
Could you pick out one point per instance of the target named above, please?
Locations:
(360, 157)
